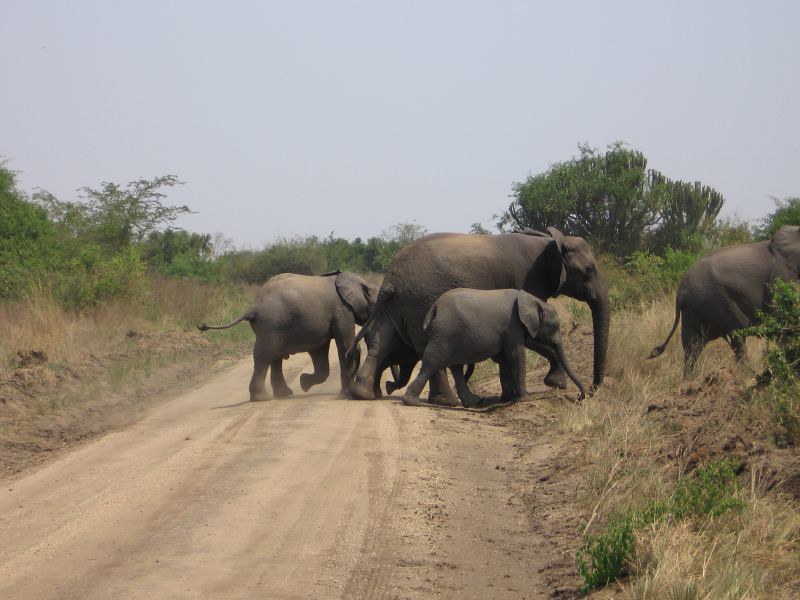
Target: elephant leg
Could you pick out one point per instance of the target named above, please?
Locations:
(739, 347)
(556, 377)
(468, 399)
(344, 337)
(279, 387)
(380, 345)
(415, 388)
(440, 391)
(319, 359)
(693, 342)
(512, 375)
(402, 377)
(258, 390)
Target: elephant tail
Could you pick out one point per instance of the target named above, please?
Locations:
(658, 350)
(429, 318)
(249, 316)
(352, 350)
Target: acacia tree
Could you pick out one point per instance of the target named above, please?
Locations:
(613, 200)
(116, 216)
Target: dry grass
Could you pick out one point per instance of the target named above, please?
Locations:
(638, 444)
(39, 323)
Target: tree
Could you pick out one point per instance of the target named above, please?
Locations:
(687, 213)
(614, 201)
(116, 216)
(27, 238)
(479, 229)
(787, 212)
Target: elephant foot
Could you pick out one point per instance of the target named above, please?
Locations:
(472, 401)
(511, 399)
(306, 382)
(411, 400)
(445, 400)
(556, 379)
(359, 391)
(260, 396)
(282, 392)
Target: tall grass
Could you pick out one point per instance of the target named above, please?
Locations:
(40, 322)
(754, 553)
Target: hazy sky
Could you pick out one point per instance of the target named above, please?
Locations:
(293, 118)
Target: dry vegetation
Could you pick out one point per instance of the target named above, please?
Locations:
(66, 375)
(646, 430)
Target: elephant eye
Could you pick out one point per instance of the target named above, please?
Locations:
(591, 269)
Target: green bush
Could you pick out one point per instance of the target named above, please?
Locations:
(779, 326)
(90, 276)
(787, 212)
(605, 556)
(644, 277)
(27, 239)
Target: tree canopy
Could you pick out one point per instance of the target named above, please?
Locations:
(615, 201)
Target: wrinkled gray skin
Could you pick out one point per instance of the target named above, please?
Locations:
(722, 292)
(543, 264)
(303, 313)
(468, 326)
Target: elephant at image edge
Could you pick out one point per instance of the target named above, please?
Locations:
(542, 264)
(302, 313)
(467, 326)
(723, 291)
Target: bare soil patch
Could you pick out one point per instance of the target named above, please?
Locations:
(46, 407)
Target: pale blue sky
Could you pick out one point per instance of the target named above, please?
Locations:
(299, 117)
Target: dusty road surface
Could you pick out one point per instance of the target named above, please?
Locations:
(211, 496)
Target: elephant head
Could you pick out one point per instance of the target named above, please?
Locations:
(357, 294)
(785, 245)
(571, 270)
(540, 321)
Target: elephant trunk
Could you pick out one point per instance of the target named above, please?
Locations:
(563, 360)
(600, 305)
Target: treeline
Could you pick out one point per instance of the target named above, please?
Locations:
(105, 245)
(620, 206)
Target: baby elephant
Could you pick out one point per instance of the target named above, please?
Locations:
(467, 326)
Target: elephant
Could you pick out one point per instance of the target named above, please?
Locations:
(723, 292)
(544, 264)
(467, 326)
(302, 313)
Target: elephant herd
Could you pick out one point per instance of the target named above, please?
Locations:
(450, 300)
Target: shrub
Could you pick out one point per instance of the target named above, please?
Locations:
(787, 212)
(27, 239)
(779, 326)
(605, 556)
(645, 277)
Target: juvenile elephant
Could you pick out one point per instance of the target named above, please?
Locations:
(302, 313)
(467, 326)
(544, 264)
(723, 291)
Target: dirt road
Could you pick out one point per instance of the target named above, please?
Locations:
(211, 496)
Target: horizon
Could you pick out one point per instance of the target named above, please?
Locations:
(313, 119)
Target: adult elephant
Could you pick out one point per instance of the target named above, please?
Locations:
(543, 264)
(303, 313)
(725, 289)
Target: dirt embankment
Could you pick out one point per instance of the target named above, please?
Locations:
(47, 406)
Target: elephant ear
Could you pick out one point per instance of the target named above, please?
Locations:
(785, 244)
(553, 273)
(530, 313)
(558, 237)
(357, 294)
